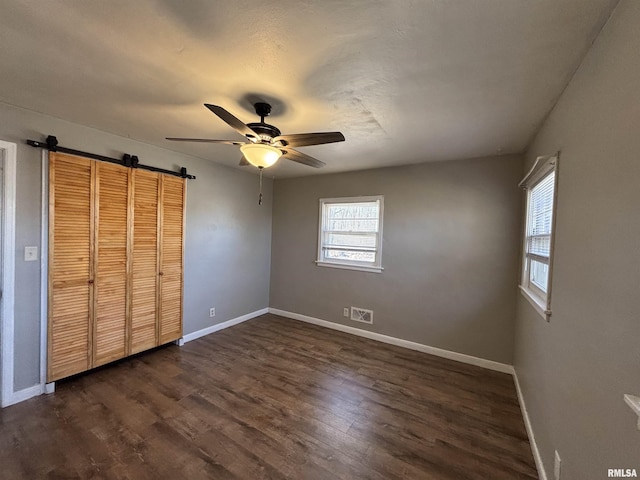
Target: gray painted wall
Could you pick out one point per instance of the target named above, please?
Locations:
(574, 370)
(227, 238)
(450, 253)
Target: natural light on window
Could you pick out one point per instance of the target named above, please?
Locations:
(538, 236)
(350, 233)
(539, 231)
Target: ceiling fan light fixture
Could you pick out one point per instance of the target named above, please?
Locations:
(266, 142)
(260, 155)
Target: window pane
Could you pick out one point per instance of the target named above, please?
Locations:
(346, 240)
(352, 217)
(540, 245)
(539, 275)
(350, 231)
(352, 225)
(541, 207)
(347, 255)
(351, 210)
(539, 225)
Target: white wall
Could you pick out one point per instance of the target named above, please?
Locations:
(575, 369)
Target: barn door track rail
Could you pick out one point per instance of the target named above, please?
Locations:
(127, 160)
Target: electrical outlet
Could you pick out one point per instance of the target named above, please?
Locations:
(556, 466)
(212, 312)
(345, 312)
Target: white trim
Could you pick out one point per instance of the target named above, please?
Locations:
(39, 389)
(536, 302)
(345, 266)
(542, 473)
(362, 198)
(547, 162)
(8, 154)
(459, 357)
(375, 266)
(548, 165)
(25, 394)
(221, 326)
(634, 404)
(44, 271)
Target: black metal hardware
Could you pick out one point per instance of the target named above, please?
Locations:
(130, 161)
(52, 143)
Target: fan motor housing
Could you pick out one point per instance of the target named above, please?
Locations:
(266, 131)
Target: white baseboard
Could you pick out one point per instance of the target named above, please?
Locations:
(24, 394)
(459, 357)
(542, 473)
(221, 326)
(27, 393)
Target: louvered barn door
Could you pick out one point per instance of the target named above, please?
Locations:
(112, 183)
(144, 294)
(172, 203)
(70, 292)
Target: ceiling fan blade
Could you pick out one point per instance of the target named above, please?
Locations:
(244, 162)
(304, 139)
(296, 156)
(233, 122)
(204, 140)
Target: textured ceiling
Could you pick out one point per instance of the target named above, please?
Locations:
(406, 81)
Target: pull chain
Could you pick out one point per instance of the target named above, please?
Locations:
(260, 196)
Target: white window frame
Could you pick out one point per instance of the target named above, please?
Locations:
(539, 299)
(375, 266)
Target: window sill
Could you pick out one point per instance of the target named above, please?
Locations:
(362, 268)
(536, 302)
(634, 404)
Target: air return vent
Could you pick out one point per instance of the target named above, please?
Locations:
(361, 315)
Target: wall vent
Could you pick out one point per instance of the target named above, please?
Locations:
(361, 315)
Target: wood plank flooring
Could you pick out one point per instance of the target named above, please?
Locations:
(272, 398)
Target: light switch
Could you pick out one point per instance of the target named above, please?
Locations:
(30, 254)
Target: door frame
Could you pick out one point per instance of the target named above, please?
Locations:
(8, 157)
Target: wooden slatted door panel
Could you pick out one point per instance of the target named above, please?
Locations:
(70, 268)
(171, 251)
(110, 331)
(144, 292)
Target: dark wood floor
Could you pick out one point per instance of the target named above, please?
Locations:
(272, 398)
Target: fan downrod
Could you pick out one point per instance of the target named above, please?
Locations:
(266, 131)
(263, 109)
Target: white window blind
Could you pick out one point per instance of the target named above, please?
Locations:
(539, 222)
(350, 232)
(540, 184)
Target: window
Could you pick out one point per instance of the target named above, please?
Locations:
(538, 239)
(350, 233)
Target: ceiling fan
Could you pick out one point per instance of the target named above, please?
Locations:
(265, 143)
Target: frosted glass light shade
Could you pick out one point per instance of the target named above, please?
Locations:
(260, 155)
